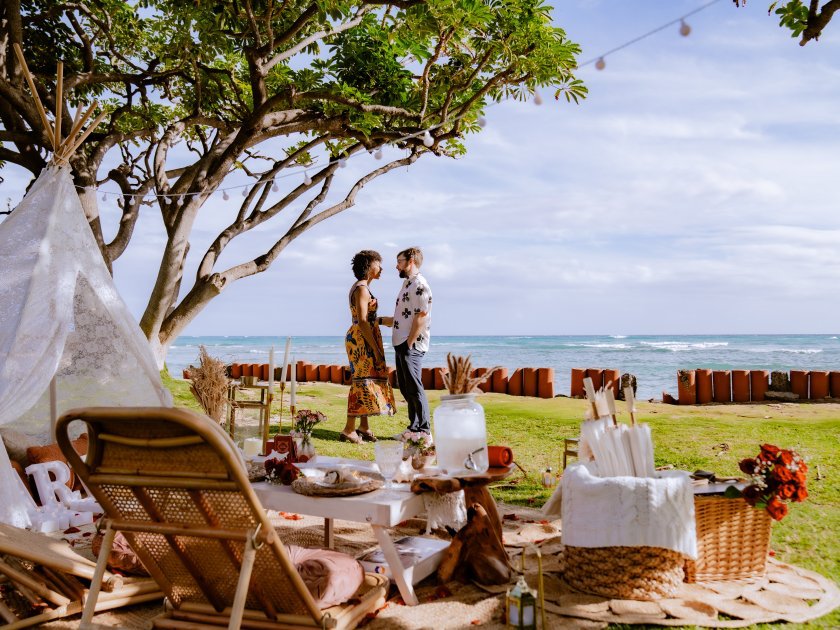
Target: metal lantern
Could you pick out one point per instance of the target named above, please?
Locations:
(521, 606)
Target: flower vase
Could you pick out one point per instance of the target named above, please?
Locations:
(304, 449)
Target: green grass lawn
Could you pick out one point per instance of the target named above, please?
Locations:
(712, 437)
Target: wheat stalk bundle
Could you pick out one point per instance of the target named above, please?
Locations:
(459, 379)
(209, 384)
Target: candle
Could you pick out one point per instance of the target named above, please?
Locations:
(285, 371)
(293, 392)
(252, 446)
(271, 370)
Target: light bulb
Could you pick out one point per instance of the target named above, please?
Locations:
(600, 64)
(179, 201)
(274, 187)
(245, 191)
(537, 98)
(342, 162)
(482, 121)
(427, 139)
(225, 195)
(306, 179)
(104, 197)
(378, 153)
(685, 29)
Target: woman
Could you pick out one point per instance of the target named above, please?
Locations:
(370, 391)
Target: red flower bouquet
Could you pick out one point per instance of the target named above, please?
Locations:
(778, 476)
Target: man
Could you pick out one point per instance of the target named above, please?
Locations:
(410, 336)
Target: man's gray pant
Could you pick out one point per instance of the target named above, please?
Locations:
(410, 381)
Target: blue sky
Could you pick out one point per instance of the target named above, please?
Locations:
(696, 190)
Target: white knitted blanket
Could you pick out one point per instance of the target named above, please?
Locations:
(627, 511)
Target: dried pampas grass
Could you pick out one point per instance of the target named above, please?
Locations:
(209, 385)
(459, 379)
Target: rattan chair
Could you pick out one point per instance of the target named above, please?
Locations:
(174, 483)
(46, 576)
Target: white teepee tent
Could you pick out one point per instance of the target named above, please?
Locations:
(62, 323)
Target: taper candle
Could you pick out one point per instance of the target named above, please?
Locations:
(293, 392)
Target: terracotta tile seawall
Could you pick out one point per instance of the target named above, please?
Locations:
(537, 382)
(700, 386)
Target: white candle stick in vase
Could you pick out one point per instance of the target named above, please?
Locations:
(293, 390)
(271, 370)
(285, 372)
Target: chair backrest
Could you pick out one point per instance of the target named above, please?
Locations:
(174, 483)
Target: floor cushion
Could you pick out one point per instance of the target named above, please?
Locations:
(330, 576)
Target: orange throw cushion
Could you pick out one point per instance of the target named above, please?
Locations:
(51, 453)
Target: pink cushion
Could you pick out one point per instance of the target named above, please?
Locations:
(122, 556)
(332, 577)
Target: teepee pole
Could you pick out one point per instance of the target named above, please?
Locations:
(59, 103)
(71, 144)
(53, 406)
(40, 107)
(88, 131)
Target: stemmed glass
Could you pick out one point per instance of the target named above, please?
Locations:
(388, 458)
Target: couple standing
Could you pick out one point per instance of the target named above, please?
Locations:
(370, 391)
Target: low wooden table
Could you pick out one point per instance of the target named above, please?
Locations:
(474, 487)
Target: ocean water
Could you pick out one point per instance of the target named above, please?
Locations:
(653, 359)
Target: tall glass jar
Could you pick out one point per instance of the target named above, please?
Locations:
(460, 435)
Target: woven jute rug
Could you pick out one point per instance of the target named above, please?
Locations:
(785, 594)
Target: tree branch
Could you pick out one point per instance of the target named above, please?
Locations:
(290, 52)
(817, 21)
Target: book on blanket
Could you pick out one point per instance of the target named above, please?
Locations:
(423, 554)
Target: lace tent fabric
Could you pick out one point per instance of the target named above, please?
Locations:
(61, 316)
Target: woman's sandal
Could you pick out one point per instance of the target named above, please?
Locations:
(367, 436)
(353, 437)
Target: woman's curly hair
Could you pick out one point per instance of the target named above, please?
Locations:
(362, 261)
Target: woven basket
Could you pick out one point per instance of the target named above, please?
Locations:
(644, 573)
(733, 539)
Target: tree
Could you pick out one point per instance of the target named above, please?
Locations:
(807, 21)
(259, 87)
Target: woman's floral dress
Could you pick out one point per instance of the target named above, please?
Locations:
(370, 391)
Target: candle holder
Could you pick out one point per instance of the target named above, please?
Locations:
(521, 601)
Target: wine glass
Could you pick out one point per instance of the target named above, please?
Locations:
(388, 458)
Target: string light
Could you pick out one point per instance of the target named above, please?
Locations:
(428, 140)
(306, 179)
(274, 186)
(599, 60)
